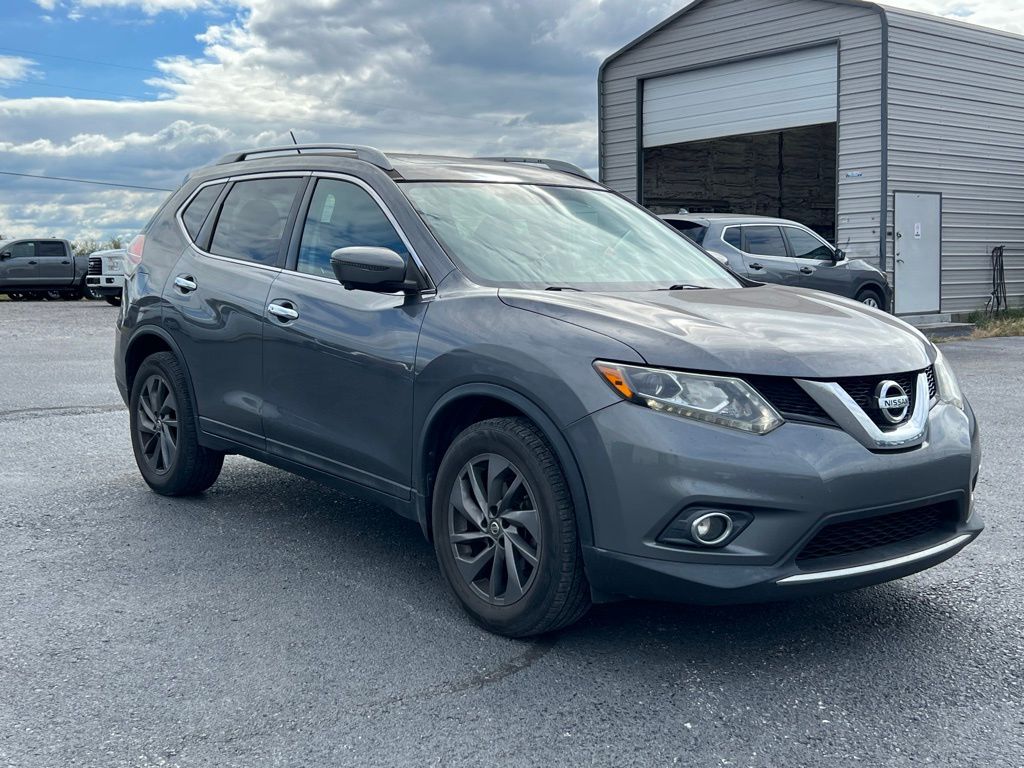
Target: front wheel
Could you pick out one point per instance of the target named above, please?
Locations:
(504, 530)
(114, 301)
(870, 297)
(165, 437)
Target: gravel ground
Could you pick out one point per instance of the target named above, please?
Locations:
(277, 622)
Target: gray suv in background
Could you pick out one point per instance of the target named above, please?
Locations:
(784, 252)
(573, 402)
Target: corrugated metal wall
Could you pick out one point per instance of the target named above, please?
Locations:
(722, 30)
(956, 126)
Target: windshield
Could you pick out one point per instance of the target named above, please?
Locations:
(531, 236)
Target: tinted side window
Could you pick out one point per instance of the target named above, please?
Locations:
(252, 220)
(764, 241)
(342, 214)
(50, 250)
(25, 250)
(806, 245)
(734, 237)
(195, 214)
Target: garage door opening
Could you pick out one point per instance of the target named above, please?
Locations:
(790, 174)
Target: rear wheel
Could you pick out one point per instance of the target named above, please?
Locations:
(504, 530)
(871, 298)
(165, 438)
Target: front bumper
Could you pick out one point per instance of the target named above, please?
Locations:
(643, 468)
(105, 285)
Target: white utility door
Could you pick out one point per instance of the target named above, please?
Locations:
(769, 93)
(918, 252)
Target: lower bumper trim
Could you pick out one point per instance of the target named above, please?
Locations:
(805, 578)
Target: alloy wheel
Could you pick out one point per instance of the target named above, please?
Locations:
(870, 301)
(494, 529)
(157, 424)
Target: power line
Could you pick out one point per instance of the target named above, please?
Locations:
(84, 181)
(81, 61)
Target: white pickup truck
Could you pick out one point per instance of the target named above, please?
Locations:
(106, 275)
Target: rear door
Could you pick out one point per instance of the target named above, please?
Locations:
(338, 373)
(766, 255)
(217, 294)
(54, 265)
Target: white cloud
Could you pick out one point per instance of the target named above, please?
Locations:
(15, 68)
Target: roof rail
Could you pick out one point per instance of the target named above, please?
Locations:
(362, 152)
(554, 165)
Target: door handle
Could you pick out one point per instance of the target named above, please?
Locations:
(33, 262)
(284, 311)
(807, 270)
(65, 262)
(899, 261)
(185, 283)
(755, 265)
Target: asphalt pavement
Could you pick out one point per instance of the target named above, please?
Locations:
(275, 622)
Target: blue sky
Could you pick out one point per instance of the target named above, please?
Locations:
(108, 52)
(140, 91)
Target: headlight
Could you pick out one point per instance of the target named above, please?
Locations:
(946, 386)
(720, 400)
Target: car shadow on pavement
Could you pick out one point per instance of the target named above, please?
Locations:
(273, 516)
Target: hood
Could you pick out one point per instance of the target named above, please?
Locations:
(767, 330)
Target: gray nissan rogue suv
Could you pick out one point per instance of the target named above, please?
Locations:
(574, 403)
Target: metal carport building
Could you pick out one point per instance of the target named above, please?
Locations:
(896, 134)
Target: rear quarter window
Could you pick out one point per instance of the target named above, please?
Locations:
(693, 231)
(195, 213)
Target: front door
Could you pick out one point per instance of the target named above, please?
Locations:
(766, 255)
(918, 252)
(338, 365)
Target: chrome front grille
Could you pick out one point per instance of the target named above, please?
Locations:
(95, 265)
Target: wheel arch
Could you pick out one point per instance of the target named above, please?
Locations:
(469, 404)
(149, 340)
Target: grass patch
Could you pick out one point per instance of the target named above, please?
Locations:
(1009, 322)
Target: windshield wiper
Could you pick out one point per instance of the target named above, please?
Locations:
(685, 287)
(561, 288)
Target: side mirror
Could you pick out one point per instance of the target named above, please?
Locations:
(720, 258)
(5, 255)
(362, 268)
(838, 255)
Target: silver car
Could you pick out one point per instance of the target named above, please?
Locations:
(781, 251)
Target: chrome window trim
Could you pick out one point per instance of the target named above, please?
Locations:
(843, 409)
(857, 570)
(179, 214)
(431, 288)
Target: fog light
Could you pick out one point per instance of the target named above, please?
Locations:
(712, 528)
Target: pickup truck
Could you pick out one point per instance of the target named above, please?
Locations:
(106, 275)
(41, 268)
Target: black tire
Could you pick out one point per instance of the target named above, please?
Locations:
(872, 297)
(53, 295)
(185, 468)
(555, 592)
(114, 301)
(73, 295)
